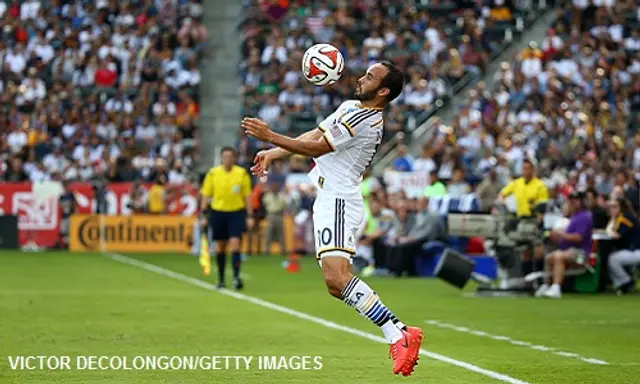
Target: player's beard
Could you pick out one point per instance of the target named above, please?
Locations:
(364, 96)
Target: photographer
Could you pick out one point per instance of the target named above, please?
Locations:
(529, 193)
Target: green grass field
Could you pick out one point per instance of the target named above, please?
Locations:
(66, 304)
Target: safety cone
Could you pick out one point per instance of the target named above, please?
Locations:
(293, 266)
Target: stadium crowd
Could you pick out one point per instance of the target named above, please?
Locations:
(99, 89)
(436, 45)
(571, 105)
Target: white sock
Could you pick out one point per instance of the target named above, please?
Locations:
(359, 295)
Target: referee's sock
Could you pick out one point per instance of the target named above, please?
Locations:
(221, 259)
(235, 263)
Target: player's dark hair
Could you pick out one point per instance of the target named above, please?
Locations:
(230, 149)
(394, 80)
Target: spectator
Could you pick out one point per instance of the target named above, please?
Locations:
(400, 242)
(625, 229)
(254, 234)
(574, 246)
(371, 251)
(436, 188)
(83, 90)
(488, 190)
(457, 186)
(411, 232)
(275, 205)
(404, 161)
(425, 162)
(598, 212)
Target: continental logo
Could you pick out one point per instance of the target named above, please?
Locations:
(130, 233)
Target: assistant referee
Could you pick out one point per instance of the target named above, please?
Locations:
(226, 189)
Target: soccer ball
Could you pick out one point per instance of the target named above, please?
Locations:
(322, 64)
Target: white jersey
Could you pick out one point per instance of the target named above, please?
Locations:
(354, 134)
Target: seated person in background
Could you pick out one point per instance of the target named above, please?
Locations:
(625, 229)
(574, 245)
(436, 188)
(598, 212)
(529, 192)
(488, 190)
(371, 250)
(457, 186)
(398, 236)
(422, 227)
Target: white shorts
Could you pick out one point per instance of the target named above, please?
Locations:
(336, 223)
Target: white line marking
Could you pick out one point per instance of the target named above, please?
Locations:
(304, 316)
(602, 322)
(509, 340)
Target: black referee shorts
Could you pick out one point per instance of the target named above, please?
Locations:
(226, 225)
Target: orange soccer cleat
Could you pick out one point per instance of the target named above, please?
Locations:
(405, 352)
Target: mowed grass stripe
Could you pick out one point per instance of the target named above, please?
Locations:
(201, 324)
(325, 323)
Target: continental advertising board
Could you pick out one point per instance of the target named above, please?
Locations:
(137, 233)
(39, 219)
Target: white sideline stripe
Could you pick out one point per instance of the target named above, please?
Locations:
(301, 315)
(509, 340)
(602, 322)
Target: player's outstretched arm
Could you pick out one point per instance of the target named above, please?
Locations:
(302, 146)
(278, 153)
(263, 159)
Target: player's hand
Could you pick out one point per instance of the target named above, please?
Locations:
(261, 163)
(256, 128)
(250, 222)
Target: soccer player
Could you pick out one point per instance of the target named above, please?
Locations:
(343, 147)
(228, 186)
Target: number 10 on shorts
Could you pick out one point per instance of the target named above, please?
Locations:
(324, 237)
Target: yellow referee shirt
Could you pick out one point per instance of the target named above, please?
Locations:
(527, 195)
(228, 190)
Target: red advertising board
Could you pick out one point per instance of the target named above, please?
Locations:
(39, 219)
